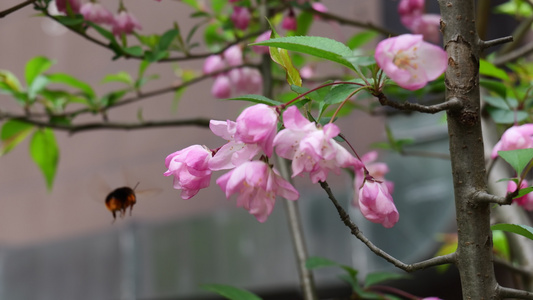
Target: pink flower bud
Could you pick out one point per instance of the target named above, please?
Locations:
(289, 22)
(376, 204)
(263, 37)
(377, 170)
(190, 169)
(221, 87)
(516, 137)
(258, 125)
(214, 63)
(410, 61)
(73, 4)
(525, 201)
(320, 8)
(125, 23)
(256, 185)
(240, 17)
(233, 56)
(97, 13)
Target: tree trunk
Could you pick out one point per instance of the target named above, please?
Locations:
(474, 251)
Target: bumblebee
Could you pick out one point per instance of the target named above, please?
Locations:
(120, 199)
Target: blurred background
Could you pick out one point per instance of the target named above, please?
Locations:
(62, 244)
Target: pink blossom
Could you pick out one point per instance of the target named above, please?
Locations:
(221, 87)
(410, 61)
(320, 8)
(307, 71)
(377, 170)
(240, 17)
(262, 37)
(376, 204)
(413, 17)
(516, 137)
(246, 80)
(289, 22)
(125, 23)
(190, 169)
(233, 56)
(525, 201)
(311, 149)
(214, 63)
(258, 125)
(257, 186)
(73, 4)
(97, 13)
(233, 153)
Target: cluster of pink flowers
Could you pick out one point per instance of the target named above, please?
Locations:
(311, 148)
(374, 198)
(410, 61)
(238, 80)
(121, 23)
(413, 17)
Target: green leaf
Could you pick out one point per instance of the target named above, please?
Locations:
(70, 21)
(522, 230)
(134, 51)
(340, 92)
(313, 45)
(35, 67)
(167, 38)
(13, 132)
(518, 159)
(361, 38)
(488, 69)
(282, 58)
(506, 116)
(303, 23)
(154, 56)
(377, 277)
(316, 262)
(256, 99)
(524, 192)
(494, 86)
(38, 84)
(45, 153)
(73, 82)
(230, 292)
(497, 102)
(9, 82)
(121, 76)
(501, 246)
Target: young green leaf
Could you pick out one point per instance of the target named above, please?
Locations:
(501, 246)
(316, 262)
(45, 153)
(256, 99)
(522, 230)
(361, 38)
(13, 132)
(378, 277)
(73, 82)
(121, 76)
(167, 38)
(230, 292)
(35, 67)
(488, 69)
(282, 58)
(494, 86)
(518, 159)
(313, 45)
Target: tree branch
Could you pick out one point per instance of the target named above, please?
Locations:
(483, 196)
(15, 8)
(504, 292)
(511, 267)
(345, 218)
(351, 22)
(513, 55)
(451, 104)
(201, 122)
(496, 42)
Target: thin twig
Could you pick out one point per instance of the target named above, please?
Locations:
(345, 218)
(201, 122)
(496, 42)
(453, 103)
(513, 55)
(352, 22)
(504, 292)
(483, 196)
(15, 8)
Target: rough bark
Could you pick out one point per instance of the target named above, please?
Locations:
(474, 252)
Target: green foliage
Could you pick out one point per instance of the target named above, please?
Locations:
(13, 132)
(35, 67)
(313, 45)
(361, 39)
(45, 153)
(518, 159)
(488, 69)
(256, 99)
(501, 245)
(230, 292)
(522, 230)
(282, 58)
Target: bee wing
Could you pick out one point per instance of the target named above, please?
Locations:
(97, 189)
(148, 193)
